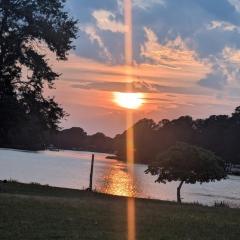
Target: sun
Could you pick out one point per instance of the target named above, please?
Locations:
(128, 100)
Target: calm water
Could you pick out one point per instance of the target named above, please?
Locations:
(71, 169)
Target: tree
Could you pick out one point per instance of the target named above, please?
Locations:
(74, 137)
(29, 30)
(99, 142)
(182, 129)
(144, 132)
(188, 164)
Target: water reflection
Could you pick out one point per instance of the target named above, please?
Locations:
(117, 181)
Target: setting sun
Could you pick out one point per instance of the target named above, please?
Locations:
(128, 100)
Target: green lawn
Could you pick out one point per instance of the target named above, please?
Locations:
(41, 212)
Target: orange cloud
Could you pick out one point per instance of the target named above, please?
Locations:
(174, 54)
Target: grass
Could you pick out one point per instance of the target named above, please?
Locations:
(35, 212)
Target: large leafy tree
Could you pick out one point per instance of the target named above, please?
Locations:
(29, 31)
(144, 132)
(187, 164)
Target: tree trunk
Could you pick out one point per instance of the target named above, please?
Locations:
(179, 192)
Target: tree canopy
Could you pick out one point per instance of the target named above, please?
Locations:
(29, 31)
(187, 164)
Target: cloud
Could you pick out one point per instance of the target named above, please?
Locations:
(77, 68)
(231, 62)
(232, 55)
(144, 5)
(106, 21)
(225, 26)
(136, 86)
(147, 4)
(168, 18)
(118, 86)
(172, 54)
(216, 80)
(225, 70)
(236, 4)
(94, 37)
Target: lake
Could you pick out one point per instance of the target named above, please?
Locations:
(71, 169)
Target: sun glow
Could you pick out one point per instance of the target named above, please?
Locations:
(128, 100)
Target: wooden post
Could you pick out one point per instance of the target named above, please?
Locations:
(91, 174)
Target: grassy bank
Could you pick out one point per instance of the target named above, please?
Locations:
(41, 212)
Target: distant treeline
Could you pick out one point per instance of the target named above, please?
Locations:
(77, 139)
(34, 139)
(218, 133)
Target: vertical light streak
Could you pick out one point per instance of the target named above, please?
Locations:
(130, 139)
(131, 221)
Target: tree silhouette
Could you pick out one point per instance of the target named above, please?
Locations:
(144, 131)
(187, 164)
(217, 133)
(29, 31)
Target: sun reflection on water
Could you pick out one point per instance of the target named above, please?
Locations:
(118, 181)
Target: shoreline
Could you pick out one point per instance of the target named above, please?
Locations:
(15, 187)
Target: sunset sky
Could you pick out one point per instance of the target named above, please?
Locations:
(186, 61)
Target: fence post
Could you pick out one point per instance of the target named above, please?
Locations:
(91, 173)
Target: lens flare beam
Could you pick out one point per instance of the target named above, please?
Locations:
(131, 221)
